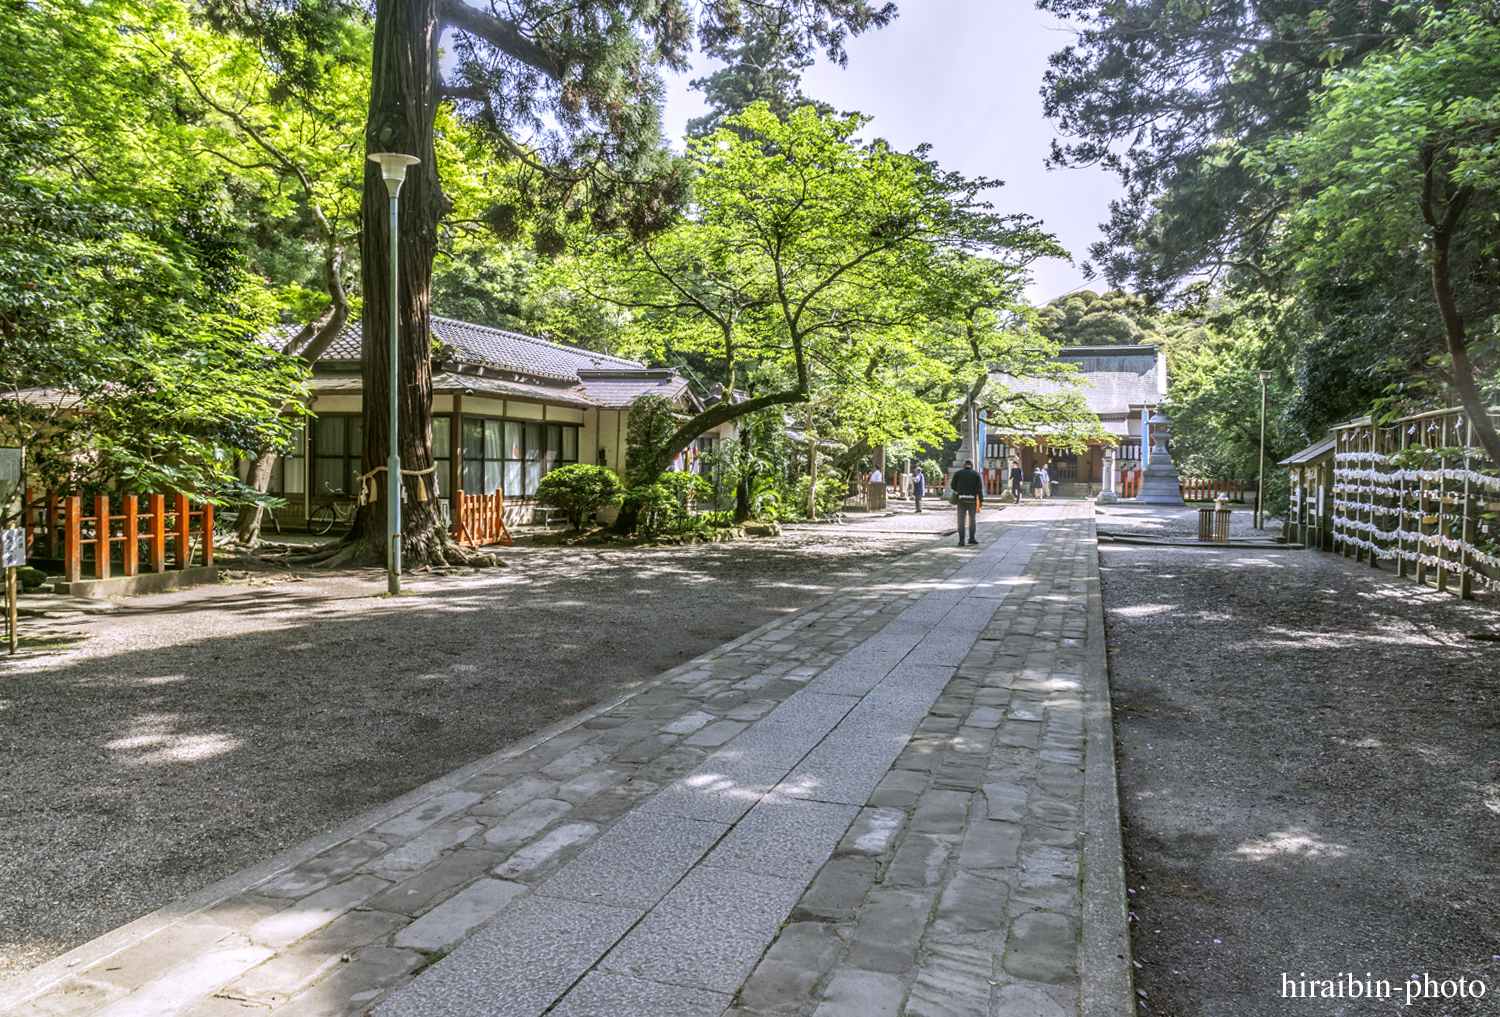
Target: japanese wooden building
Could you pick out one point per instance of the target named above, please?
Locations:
(507, 408)
(1121, 384)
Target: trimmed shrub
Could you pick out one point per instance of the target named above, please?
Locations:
(578, 490)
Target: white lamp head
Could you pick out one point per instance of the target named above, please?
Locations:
(1265, 376)
(393, 168)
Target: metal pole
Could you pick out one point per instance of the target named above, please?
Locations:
(1260, 483)
(393, 464)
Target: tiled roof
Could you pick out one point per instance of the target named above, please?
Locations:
(1319, 449)
(1117, 378)
(444, 381)
(493, 347)
(468, 343)
(623, 387)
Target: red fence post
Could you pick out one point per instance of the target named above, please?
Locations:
(206, 522)
(157, 507)
(130, 552)
(182, 530)
(72, 544)
(101, 536)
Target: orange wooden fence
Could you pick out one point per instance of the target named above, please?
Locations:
(481, 520)
(1193, 488)
(1205, 489)
(67, 525)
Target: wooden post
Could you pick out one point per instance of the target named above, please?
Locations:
(1342, 445)
(1376, 449)
(1442, 550)
(72, 545)
(10, 607)
(130, 554)
(54, 530)
(456, 450)
(101, 536)
(182, 531)
(158, 532)
(206, 524)
(1467, 532)
(1403, 567)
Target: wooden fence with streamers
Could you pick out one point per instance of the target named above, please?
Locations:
(1420, 493)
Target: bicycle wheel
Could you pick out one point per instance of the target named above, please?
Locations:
(321, 520)
(226, 524)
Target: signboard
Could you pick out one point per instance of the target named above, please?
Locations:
(10, 478)
(12, 548)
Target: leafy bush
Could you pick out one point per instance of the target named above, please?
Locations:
(765, 498)
(578, 490)
(688, 488)
(655, 506)
(828, 500)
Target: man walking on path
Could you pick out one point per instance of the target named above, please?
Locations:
(1016, 477)
(968, 486)
(918, 486)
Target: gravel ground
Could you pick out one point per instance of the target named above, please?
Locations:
(191, 734)
(1176, 523)
(1309, 758)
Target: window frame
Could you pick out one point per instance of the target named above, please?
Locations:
(352, 459)
(526, 460)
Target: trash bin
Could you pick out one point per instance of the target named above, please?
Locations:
(1213, 525)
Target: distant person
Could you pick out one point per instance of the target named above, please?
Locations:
(968, 492)
(1016, 477)
(876, 477)
(1038, 478)
(918, 486)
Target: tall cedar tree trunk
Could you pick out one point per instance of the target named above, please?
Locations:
(403, 106)
(1462, 375)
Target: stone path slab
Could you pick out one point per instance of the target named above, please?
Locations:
(876, 805)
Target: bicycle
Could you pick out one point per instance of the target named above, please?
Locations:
(330, 507)
(227, 522)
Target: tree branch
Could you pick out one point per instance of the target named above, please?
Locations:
(506, 36)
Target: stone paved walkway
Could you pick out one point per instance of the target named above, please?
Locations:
(876, 806)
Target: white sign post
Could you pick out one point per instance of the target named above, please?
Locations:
(12, 556)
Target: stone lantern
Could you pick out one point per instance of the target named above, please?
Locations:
(1159, 484)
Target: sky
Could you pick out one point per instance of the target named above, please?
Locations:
(963, 76)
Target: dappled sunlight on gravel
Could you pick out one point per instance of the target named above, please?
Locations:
(1308, 749)
(194, 733)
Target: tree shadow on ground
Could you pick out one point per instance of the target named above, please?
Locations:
(199, 732)
(1308, 774)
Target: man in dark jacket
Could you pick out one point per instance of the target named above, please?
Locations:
(918, 486)
(968, 485)
(1016, 477)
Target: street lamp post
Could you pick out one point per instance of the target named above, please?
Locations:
(393, 169)
(1260, 483)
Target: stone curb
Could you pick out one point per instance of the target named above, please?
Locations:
(19, 988)
(1268, 545)
(1106, 986)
